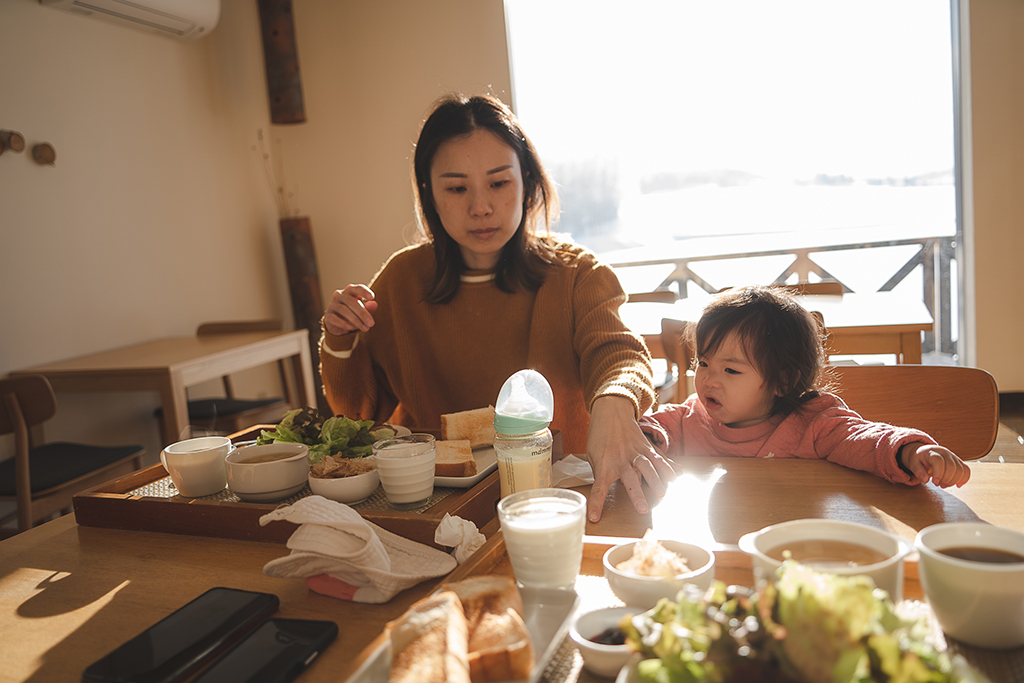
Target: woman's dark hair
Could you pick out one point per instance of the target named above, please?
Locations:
(780, 337)
(524, 259)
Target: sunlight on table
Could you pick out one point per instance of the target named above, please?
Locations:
(682, 515)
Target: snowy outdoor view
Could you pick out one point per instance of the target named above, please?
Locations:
(676, 128)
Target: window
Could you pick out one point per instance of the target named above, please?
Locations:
(804, 139)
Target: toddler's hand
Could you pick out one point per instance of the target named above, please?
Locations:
(935, 463)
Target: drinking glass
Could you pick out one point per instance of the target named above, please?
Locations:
(406, 468)
(543, 530)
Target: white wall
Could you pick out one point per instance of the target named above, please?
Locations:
(158, 214)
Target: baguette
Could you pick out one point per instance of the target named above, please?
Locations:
(475, 425)
(429, 643)
(499, 644)
(454, 459)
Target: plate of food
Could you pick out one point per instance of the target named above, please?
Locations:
(465, 452)
(510, 633)
(822, 627)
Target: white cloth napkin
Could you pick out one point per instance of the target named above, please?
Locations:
(344, 555)
(461, 534)
(571, 470)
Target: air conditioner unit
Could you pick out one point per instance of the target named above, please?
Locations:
(189, 19)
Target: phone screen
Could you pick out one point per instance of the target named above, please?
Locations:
(175, 646)
(276, 652)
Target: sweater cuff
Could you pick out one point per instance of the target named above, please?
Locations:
(339, 346)
(623, 390)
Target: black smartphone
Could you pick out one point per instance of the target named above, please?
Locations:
(177, 645)
(276, 652)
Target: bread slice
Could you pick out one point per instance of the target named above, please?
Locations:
(475, 425)
(429, 643)
(454, 459)
(500, 647)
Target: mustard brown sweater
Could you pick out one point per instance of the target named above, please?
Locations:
(420, 360)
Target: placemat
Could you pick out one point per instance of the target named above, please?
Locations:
(377, 502)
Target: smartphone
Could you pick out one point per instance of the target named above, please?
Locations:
(176, 646)
(276, 652)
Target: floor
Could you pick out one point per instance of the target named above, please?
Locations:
(1009, 442)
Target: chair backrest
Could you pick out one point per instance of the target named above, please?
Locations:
(674, 347)
(238, 326)
(957, 406)
(25, 398)
(829, 287)
(661, 296)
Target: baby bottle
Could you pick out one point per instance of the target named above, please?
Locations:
(522, 440)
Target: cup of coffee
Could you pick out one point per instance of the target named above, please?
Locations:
(196, 465)
(972, 574)
(543, 530)
(406, 468)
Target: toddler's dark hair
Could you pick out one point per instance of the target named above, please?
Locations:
(783, 340)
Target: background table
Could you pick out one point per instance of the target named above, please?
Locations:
(870, 323)
(170, 365)
(68, 593)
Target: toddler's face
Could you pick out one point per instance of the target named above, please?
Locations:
(731, 388)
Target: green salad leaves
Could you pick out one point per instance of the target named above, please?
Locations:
(338, 436)
(807, 627)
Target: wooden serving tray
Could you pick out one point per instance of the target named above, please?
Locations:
(112, 505)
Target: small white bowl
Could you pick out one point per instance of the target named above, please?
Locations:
(979, 603)
(273, 480)
(887, 574)
(645, 591)
(353, 489)
(598, 659)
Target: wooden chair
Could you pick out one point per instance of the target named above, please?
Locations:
(825, 287)
(661, 296)
(232, 414)
(672, 346)
(957, 406)
(43, 477)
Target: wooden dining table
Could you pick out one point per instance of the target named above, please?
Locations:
(170, 365)
(71, 593)
(857, 323)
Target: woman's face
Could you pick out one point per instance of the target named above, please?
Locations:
(478, 192)
(731, 387)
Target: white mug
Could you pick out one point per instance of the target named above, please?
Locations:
(196, 465)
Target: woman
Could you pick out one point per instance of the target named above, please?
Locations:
(444, 323)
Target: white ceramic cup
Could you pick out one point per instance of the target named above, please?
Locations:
(978, 603)
(196, 465)
(887, 574)
(543, 530)
(406, 468)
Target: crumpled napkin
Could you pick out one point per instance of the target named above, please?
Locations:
(570, 471)
(461, 534)
(343, 555)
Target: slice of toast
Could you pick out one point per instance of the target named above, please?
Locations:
(500, 647)
(475, 425)
(454, 459)
(429, 643)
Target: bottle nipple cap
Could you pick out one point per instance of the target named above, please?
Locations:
(525, 404)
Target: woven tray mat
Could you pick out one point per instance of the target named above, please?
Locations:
(377, 502)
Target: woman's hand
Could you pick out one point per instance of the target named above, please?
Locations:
(935, 463)
(619, 451)
(350, 309)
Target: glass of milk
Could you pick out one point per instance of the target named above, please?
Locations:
(406, 468)
(543, 530)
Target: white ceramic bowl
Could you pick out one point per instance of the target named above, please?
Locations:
(353, 489)
(645, 591)
(196, 465)
(887, 574)
(598, 659)
(979, 603)
(272, 480)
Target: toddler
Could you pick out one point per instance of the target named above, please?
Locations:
(761, 393)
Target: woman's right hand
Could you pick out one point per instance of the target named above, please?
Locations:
(350, 309)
